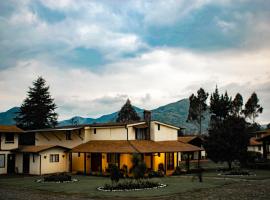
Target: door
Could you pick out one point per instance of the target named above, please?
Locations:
(26, 161)
(11, 163)
(96, 162)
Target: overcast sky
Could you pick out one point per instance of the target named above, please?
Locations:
(96, 54)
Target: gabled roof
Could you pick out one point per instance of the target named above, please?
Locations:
(37, 149)
(187, 139)
(253, 142)
(134, 146)
(105, 146)
(149, 146)
(165, 124)
(10, 129)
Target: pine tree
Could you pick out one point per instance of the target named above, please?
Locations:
(197, 107)
(237, 105)
(127, 113)
(252, 107)
(37, 110)
(215, 103)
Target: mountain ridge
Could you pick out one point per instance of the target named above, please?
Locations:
(174, 113)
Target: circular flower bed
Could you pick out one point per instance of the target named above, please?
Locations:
(131, 185)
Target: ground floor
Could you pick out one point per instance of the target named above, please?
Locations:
(88, 163)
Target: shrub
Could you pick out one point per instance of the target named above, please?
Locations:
(178, 171)
(155, 174)
(114, 173)
(57, 178)
(139, 167)
(131, 185)
(124, 171)
(161, 167)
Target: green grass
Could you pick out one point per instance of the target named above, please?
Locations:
(87, 185)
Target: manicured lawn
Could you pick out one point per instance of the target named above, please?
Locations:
(87, 185)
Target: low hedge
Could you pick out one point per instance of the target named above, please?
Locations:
(131, 185)
(57, 178)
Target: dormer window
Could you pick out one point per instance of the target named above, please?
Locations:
(9, 138)
(158, 127)
(141, 134)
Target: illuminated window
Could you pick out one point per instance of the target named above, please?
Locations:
(54, 157)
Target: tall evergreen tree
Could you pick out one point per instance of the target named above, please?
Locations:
(252, 107)
(237, 105)
(215, 103)
(227, 140)
(127, 113)
(197, 107)
(38, 109)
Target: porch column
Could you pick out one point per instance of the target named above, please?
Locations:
(70, 162)
(165, 162)
(151, 161)
(177, 159)
(84, 163)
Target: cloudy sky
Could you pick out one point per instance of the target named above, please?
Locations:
(96, 54)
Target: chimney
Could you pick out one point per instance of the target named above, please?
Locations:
(147, 116)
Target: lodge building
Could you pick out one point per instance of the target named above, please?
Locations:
(91, 148)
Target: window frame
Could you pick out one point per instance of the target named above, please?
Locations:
(4, 163)
(158, 127)
(54, 158)
(113, 158)
(9, 135)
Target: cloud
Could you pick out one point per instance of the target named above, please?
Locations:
(149, 80)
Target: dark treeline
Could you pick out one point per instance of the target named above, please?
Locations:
(227, 137)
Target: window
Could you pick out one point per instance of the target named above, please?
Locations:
(113, 158)
(170, 161)
(54, 157)
(79, 154)
(259, 148)
(9, 138)
(95, 130)
(33, 157)
(141, 134)
(158, 127)
(68, 135)
(2, 160)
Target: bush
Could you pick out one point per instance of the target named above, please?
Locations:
(253, 156)
(161, 167)
(57, 178)
(178, 171)
(139, 167)
(155, 174)
(114, 173)
(124, 171)
(238, 172)
(131, 185)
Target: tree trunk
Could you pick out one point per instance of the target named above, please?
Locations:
(230, 165)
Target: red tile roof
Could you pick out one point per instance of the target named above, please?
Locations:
(10, 129)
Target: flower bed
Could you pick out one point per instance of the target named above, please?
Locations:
(57, 178)
(131, 185)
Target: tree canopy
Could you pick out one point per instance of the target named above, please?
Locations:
(38, 109)
(197, 107)
(127, 113)
(252, 107)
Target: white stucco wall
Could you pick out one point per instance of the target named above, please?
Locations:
(48, 167)
(255, 148)
(112, 133)
(164, 134)
(9, 146)
(19, 162)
